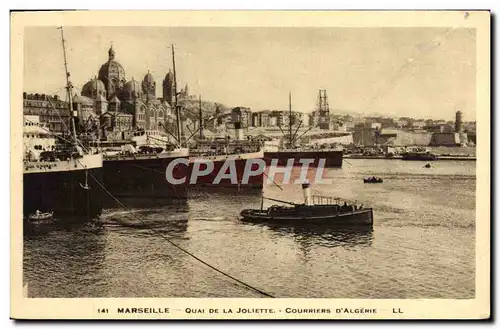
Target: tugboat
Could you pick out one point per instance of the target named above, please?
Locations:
(327, 211)
(373, 180)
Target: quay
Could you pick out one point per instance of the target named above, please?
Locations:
(399, 157)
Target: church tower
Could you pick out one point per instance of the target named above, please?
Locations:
(149, 86)
(169, 88)
(112, 75)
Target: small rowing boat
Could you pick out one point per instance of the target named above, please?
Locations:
(41, 217)
(373, 180)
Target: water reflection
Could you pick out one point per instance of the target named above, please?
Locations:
(71, 256)
(347, 237)
(66, 223)
(221, 192)
(166, 220)
(333, 237)
(141, 203)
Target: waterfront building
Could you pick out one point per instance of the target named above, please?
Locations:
(50, 110)
(243, 115)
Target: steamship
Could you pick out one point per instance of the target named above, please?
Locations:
(332, 158)
(139, 168)
(419, 154)
(227, 163)
(222, 164)
(293, 154)
(58, 177)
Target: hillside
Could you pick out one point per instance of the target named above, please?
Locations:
(191, 107)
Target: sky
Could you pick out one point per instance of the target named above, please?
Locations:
(415, 72)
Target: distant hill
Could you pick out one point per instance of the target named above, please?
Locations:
(191, 107)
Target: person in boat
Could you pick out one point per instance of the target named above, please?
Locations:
(360, 207)
(38, 212)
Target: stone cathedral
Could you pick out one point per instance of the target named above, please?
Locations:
(122, 106)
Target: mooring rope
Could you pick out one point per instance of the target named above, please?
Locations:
(161, 235)
(179, 247)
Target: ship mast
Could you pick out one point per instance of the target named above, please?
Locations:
(201, 121)
(177, 114)
(290, 118)
(69, 88)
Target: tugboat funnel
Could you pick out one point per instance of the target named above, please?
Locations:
(306, 188)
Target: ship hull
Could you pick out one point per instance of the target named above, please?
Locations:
(143, 177)
(419, 158)
(332, 159)
(60, 187)
(233, 167)
(357, 218)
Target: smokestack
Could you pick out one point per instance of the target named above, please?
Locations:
(306, 188)
(458, 122)
(238, 130)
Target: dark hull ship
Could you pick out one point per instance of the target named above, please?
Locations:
(223, 162)
(419, 154)
(220, 168)
(327, 212)
(59, 178)
(332, 158)
(143, 175)
(64, 187)
(222, 156)
(419, 157)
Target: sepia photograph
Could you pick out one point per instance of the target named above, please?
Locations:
(229, 162)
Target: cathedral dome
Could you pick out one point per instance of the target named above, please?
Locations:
(149, 84)
(112, 74)
(112, 67)
(94, 88)
(132, 89)
(169, 76)
(148, 78)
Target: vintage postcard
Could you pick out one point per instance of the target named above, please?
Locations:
(250, 165)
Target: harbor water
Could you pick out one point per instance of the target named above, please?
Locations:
(422, 244)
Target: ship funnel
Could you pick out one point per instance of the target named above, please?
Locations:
(238, 130)
(306, 188)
